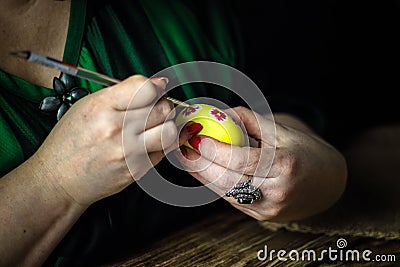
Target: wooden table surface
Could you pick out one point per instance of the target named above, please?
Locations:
(234, 239)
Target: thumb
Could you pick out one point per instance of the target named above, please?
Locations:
(256, 125)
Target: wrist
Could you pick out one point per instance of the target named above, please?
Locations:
(37, 210)
(47, 179)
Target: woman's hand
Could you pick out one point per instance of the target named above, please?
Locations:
(84, 159)
(302, 177)
(87, 152)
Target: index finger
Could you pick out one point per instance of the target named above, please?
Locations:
(132, 93)
(245, 160)
(257, 126)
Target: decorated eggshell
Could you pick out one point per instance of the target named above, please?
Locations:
(216, 123)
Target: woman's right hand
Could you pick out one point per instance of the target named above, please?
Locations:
(85, 155)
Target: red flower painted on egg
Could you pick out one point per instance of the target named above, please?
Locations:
(218, 114)
(190, 110)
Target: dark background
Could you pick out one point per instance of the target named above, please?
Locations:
(342, 57)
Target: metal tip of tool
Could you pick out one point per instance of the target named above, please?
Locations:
(177, 102)
(20, 54)
(76, 71)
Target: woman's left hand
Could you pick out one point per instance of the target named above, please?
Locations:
(302, 176)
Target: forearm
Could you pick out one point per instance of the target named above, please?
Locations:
(35, 215)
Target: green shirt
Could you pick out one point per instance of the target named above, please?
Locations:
(118, 38)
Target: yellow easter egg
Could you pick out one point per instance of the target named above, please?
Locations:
(216, 123)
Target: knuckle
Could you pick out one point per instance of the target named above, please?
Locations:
(144, 87)
(281, 196)
(289, 163)
(147, 92)
(171, 112)
(137, 78)
(117, 155)
(107, 126)
(164, 109)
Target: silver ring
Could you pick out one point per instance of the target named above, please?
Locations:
(245, 192)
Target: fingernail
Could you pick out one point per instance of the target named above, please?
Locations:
(165, 79)
(195, 141)
(160, 88)
(194, 128)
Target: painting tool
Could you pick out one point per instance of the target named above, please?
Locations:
(76, 71)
